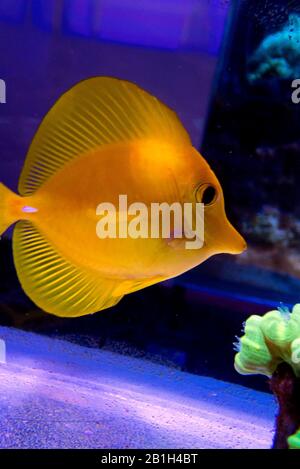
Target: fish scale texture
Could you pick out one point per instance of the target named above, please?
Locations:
(55, 394)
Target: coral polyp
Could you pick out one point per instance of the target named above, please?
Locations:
(294, 440)
(268, 341)
(271, 347)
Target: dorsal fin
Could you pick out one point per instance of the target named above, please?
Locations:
(93, 113)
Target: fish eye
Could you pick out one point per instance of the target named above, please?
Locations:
(206, 194)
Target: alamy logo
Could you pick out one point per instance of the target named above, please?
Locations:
(296, 93)
(2, 92)
(2, 351)
(138, 221)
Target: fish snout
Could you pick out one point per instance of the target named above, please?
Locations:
(234, 243)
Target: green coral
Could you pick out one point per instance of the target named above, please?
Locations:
(269, 340)
(294, 440)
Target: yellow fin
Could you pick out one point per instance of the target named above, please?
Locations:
(8, 212)
(96, 112)
(54, 284)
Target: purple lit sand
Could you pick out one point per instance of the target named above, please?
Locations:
(54, 394)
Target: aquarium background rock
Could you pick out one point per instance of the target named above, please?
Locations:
(254, 128)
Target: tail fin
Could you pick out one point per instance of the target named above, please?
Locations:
(8, 212)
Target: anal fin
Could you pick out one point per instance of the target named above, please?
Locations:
(53, 283)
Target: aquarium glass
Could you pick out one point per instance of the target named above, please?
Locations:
(119, 97)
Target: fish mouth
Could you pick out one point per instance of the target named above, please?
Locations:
(234, 243)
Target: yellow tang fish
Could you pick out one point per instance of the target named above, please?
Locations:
(105, 138)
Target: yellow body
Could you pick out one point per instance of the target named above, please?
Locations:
(62, 264)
